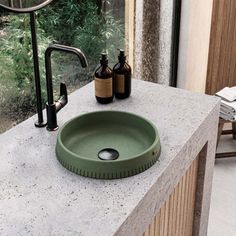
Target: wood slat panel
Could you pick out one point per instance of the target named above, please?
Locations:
(222, 49)
(176, 216)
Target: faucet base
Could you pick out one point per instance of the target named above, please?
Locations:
(52, 117)
(52, 129)
(40, 124)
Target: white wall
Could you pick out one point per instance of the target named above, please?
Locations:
(194, 44)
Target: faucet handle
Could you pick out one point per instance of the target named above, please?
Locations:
(63, 91)
(63, 99)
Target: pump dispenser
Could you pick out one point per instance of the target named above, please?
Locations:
(104, 81)
(122, 77)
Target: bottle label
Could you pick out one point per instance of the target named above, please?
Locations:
(103, 88)
(119, 83)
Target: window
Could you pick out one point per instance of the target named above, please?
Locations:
(93, 26)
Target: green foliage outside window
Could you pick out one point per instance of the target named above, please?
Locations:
(79, 23)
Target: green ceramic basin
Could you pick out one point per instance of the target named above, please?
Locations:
(108, 145)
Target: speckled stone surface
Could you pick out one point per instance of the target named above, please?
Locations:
(165, 41)
(150, 40)
(40, 197)
(138, 55)
(153, 40)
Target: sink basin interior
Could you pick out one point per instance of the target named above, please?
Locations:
(90, 134)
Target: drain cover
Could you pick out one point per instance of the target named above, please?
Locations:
(108, 154)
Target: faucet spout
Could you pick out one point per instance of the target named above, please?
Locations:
(52, 106)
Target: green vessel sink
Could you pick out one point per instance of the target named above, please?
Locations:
(108, 145)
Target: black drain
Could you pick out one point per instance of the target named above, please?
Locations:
(108, 154)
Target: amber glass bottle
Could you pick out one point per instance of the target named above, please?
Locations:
(122, 77)
(104, 82)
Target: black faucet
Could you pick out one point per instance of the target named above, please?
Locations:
(52, 106)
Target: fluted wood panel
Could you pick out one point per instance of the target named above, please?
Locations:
(222, 50)
(175, 217)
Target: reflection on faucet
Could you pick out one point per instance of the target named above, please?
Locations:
(51, 106)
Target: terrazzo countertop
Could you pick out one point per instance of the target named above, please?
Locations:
(40, 197)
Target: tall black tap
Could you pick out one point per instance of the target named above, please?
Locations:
(52, 106)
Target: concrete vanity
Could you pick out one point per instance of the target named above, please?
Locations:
(40, 197)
